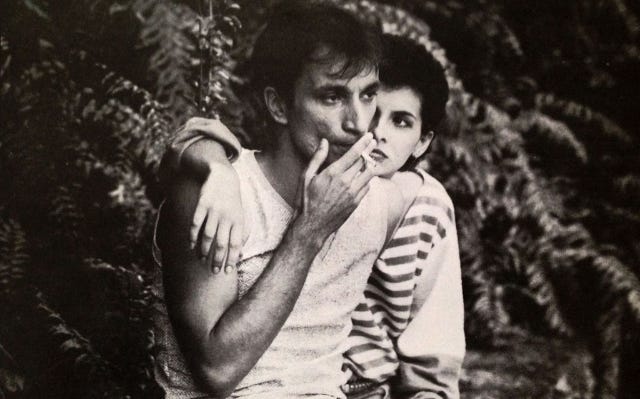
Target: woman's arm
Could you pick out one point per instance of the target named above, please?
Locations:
(204, 149)
(431, 349)
(198, 146)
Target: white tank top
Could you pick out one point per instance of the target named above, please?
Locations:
(305, 358)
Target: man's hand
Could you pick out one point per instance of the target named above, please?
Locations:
(327, 199)
(220, 217)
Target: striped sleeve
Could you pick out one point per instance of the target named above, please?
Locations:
(432, 347)
(413, 305)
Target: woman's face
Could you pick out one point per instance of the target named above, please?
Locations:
(398, 130)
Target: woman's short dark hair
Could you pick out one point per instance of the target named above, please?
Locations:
(296, 30)
(408, 64)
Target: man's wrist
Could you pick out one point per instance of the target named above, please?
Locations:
(304, 231)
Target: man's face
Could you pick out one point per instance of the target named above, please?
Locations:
(328, 105)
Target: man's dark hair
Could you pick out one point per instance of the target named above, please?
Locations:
(408, 64)
(296, 30)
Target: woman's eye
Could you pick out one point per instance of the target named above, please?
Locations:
(402, 123)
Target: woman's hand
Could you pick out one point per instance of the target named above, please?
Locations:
(328, 198)
(220, 217)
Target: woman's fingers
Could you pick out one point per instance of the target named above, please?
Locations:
(222, 243)
(235, 243)
(196, 225)
(208, 233)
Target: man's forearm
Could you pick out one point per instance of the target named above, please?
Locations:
(222, 336)
(247, 328)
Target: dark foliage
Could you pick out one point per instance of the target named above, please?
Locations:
(539, 152)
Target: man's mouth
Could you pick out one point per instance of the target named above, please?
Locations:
(340, 148)
(378, 155)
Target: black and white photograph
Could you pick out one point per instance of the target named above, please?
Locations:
(332, 199)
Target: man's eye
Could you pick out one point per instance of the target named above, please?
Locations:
(330, 99)
(369, 96)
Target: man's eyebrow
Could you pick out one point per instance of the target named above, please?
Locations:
(375, 86)
(339, 89)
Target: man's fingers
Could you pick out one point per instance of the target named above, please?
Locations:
(360, 195)
(364, 177)
(235, 243)
(222, 244)
(209, 231)
(355, 169)
(352, 154)
(316, 161)
(198, 217)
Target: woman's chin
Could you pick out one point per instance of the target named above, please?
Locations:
(384, 169)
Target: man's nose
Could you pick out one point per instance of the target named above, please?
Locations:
(357, 118)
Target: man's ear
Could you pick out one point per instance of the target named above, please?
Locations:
(423, 144)
(275, 105)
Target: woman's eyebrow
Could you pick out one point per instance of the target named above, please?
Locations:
(403, 113)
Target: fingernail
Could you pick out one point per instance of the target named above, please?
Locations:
(192, 245)
(216, 270)
(228, 269)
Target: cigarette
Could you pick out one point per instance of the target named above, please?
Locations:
(367, 159)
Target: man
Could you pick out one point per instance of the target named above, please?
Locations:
(276, 325)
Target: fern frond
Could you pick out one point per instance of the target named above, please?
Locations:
(582, 115)
(552, 142)
(167, 29)
(627, 188)
(14, 255)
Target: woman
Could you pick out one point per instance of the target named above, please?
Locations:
(407, 335)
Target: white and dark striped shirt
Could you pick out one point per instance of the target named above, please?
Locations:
(409, 325)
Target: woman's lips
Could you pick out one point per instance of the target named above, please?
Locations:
(378, 155)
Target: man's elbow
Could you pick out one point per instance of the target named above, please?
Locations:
(220, 381)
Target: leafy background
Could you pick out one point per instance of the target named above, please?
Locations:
(539, 152)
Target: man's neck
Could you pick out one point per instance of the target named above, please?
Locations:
(282, 165)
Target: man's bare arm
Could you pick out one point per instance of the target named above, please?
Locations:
(222, 336)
